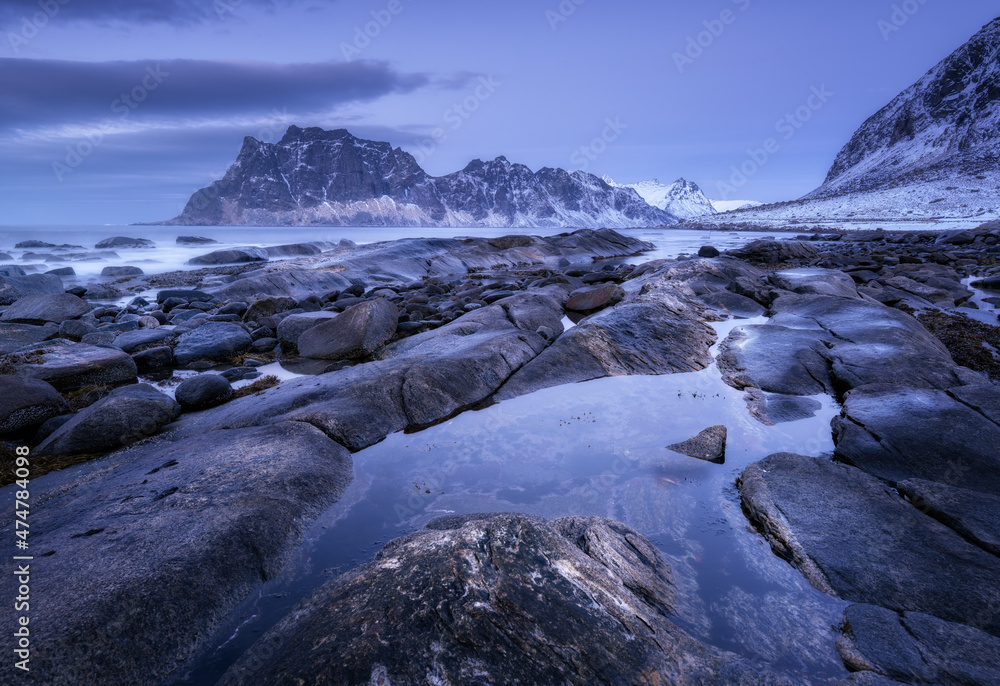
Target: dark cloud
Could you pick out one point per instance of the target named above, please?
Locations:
(177, 12)
(40, 93)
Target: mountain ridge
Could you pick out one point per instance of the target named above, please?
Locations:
(682, 198)
(332, 178)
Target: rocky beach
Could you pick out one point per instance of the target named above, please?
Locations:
(174, 474)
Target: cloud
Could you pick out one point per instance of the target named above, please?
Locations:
(38, 97)
(176, 12)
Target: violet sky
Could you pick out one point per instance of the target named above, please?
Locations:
(115, 111)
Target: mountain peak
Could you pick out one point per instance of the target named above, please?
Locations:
(681, 198)
(369, 183)
(296, 134)
(946, 123)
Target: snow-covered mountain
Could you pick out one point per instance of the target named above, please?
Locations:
(946, 123)
(331, 178)
(681, 198)
(730, 205)
(933, 153)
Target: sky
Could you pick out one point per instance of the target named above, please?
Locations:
(116, 111)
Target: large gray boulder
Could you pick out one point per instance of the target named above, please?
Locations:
(870, 343)
(125, 242)
(231, 256)
(816, 281)
(851, 536)
(203, 391)
(776, 359)
(357, 332)
(213, 341)
(141, 339)
(14, 336)
(293, 326)
(417, 381)
(126, 415)
(499, 599)
(13, 288)
(27, 403)
(38, 309)
(918, 648)
(657, 334)
(70, 366)
(146, 551)
(903, 433)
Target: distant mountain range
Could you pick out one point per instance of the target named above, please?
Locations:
(681, 198)
(934, 151)
(332, 178)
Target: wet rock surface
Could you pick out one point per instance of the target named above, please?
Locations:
(126, 415)
(904, 433)
(190, 527)
(27, 403)
(709, 445)
(852, 536)
(357, 332)
(918, 648)
(70, 366)
(477, 321)
(504, 599)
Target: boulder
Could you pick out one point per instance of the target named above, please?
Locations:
(356, 333)
(187, 296)
(263, 308)
(121, 271)
(70, 366)
(657, 335)
(214, 341)
(38, 309)
(62, 271)
(869, 343)
(293, 326)
(899, 433)
(126, 415)
(27, 403)
(918, 648)
(203, 391)
(231, 256)
(294, 249)
(190, 528)
(124, 242)
(141, 339)
(499, 599)
(816, 281)
(589, 299)
(154, 360)
(774, 252)
(14, 336)
(708, 445)
(853, 537)
(708, 251)
(76, 329)
(418, 381)
(13, 288)
(195, 240)
(776, 359)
